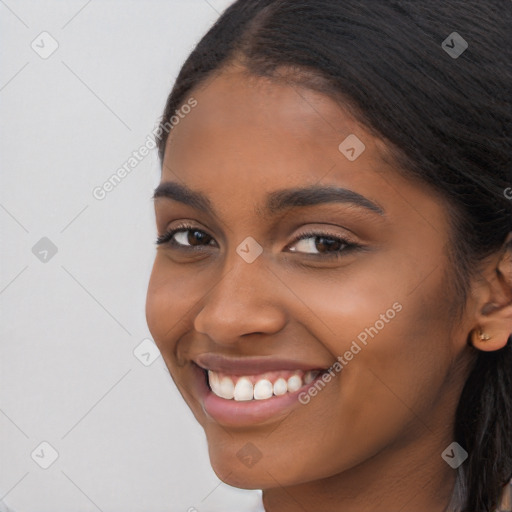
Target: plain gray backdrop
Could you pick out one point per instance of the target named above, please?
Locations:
(83, 389)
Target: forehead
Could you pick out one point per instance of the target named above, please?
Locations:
(263, 133)
(248, 137)
(274, 110)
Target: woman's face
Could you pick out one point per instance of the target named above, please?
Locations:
(250, 169)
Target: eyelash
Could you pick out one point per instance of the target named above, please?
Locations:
(167, 238)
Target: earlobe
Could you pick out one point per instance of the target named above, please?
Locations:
(482, 340)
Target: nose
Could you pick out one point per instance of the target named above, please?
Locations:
(245, 300)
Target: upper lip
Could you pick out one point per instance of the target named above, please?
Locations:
(249, 365)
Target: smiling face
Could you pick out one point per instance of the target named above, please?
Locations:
(365, 287)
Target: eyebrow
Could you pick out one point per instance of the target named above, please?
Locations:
(276, 201)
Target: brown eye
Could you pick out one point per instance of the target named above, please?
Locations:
(192, 237)
(321, 243)
(185, 237)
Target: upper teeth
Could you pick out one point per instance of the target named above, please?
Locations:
(258, 387)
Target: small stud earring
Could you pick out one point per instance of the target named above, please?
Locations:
(483, 336)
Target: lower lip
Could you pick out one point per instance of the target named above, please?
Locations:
(233, 413)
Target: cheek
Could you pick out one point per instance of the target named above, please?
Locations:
(167, 301)
(397, 355)
(338, 306)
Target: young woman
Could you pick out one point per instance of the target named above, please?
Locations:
(332, 289)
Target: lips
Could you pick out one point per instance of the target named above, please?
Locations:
(244, 379)
(268, 387)
(245, 366)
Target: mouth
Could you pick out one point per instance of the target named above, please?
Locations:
(243, 398)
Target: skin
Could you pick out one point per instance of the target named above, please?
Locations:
(372, 438)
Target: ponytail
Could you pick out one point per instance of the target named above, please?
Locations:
(483, 427)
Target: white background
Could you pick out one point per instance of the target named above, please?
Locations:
(68, 375)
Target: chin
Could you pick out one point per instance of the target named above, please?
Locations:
(232, 471)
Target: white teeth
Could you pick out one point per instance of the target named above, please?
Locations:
(213, 379)
(227, 388)
(294, 383)
(280, 387)
(243, 390)
(263, 389)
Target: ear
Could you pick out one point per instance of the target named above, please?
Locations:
(493, 320)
